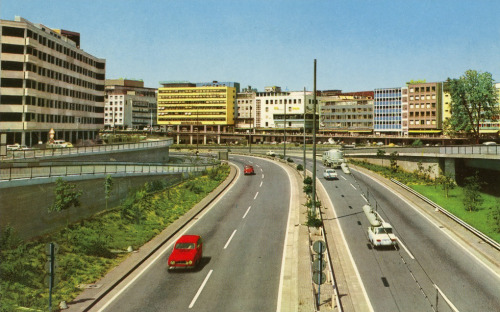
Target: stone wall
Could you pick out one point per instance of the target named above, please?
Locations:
(409, 164)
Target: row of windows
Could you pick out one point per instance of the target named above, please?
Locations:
(427, 105)
(194, 120)
(63, 64)
(347, 110)
(330, 117)
(417, 114)
(388, 127)
(200, 115)
(193, 102)
(423, 97)
(387, 118)
(19, 32)
(42, 102)
(423, 89)
(281, 101)
(204, 96)
(45, 87)
(49, 118)
(62, 77)
(422, 122)
(190, 108)
(204, 90)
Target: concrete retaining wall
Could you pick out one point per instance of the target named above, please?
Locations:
(26, 207)
(409, 164)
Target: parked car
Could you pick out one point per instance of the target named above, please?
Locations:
(187, 252)
(490, 143)
(59, 144)
(248, 170)
(382, 235)
(330, 174)
(14, 147)
(271, 153)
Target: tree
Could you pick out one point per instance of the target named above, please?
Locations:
(108, 187)
(446, 181)
(66, 196)
(394, 161)
(472, 193)
(473, 101)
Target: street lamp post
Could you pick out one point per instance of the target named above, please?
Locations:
(197, 130)
(305, 110)
(284, 133)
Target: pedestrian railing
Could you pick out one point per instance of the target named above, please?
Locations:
(16, 173)
(51, 152)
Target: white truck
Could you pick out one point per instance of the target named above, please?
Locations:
(333, 158)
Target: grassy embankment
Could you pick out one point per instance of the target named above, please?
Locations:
(90, 248)
(483, 219)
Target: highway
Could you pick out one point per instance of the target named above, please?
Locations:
(243, 236)
(407, 279)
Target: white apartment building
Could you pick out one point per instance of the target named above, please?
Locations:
(129, 105)
(48, 82)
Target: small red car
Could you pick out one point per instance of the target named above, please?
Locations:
(187, 252)
(248, 170)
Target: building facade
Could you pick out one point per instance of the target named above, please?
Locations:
(129, 105)
(346, 114)
(424, 108)
(48, 82)
(387, 117)
(186, 106)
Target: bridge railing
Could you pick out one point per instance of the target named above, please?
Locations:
(16, 173)
(471, 149)
(51, 152)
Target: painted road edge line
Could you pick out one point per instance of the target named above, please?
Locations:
(201, 288)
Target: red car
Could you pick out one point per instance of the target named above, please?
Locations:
(248, 170)
(187, 252)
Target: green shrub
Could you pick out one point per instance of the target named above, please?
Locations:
(300, 167)
(308, 180)
(289, 159)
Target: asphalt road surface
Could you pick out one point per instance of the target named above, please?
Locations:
(243, 235)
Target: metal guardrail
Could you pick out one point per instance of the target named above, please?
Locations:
(51, 152)
(451, 216)
(445, 150)
(16, 173)
(471, 149)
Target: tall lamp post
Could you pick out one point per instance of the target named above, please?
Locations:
(314, 144)
(251, 129)
(197, 129)
(284, 132)
(305, 111)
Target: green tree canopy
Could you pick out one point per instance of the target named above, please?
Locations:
(474, 100)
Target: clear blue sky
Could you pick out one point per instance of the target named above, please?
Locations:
(359, 45)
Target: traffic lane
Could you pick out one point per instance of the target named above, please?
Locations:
(461, 277)
(387, 281)
(158, 291)
(252, 260)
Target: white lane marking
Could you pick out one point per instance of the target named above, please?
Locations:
(353, 186)
(452, 306)
(168, 247)
(250, 161)
(262, 176)
(261, 183)
(344, 178)
(438, 226)
(404, 247)
(246, 212)
(256, 194)
(258, 166)
(366, 200)
(365, 294)
(201, 288)
(282, 274)
(229, 240)
(261, 170)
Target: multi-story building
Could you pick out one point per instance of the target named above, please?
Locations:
(491, 127)
(387, 118)
(245, 110)
(186, 106)
(48, 82)
(346, 114)
(129, 105)
(424, 108)
(273, 107)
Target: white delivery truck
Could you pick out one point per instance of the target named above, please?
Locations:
(333, 158)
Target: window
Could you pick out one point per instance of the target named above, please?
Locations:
(13, 31)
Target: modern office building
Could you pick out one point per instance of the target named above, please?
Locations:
(387, 117)
(424, 108)
(48, 82)
(273, 107)
(129, 105)
(346, 114)
(244, 111)
(188, 107)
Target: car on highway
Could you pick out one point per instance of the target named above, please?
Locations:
(248, 170)
(187, 252)
(382, 235)
(271, 153)
(330, 174)
(14, 147)
(490, 143)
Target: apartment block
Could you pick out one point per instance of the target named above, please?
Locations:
(186, 105)
(425, 108)
(346, 114)
(245, 113)
(387, 117)
(129, 105)
(47, 82)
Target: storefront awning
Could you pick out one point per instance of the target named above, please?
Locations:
(425, 131)
(488, 131)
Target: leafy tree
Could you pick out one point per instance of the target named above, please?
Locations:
(108, 188)
(473, 101)
(380, 152)
(446, 181)
(394, 161)
(417, 143)
(495, 216)
(67, 196)
(472, 195)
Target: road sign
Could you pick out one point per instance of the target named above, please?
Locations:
(319, 265)
(319, 246)
(319, 278)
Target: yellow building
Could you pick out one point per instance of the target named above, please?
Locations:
(186, 104)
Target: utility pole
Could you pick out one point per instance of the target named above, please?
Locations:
(284, 133)
(197, 128)
(314, 144)
(305, 110)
